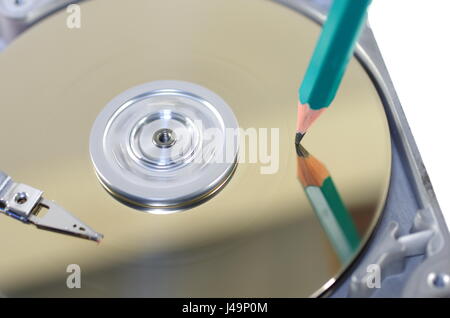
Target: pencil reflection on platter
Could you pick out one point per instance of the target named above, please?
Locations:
(328, 206)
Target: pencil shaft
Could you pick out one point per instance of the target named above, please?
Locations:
(334, 218)
(333, 52)
(340, 211)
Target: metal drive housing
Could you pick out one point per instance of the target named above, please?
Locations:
(411, 243)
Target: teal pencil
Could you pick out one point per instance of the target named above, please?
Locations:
(329, 61)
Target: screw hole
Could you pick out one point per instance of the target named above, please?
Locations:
(21, 198)
(439, 280)
(164, 138)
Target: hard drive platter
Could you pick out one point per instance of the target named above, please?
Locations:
(244, 233)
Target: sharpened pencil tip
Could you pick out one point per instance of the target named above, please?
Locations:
(298, 138)
(301, 151)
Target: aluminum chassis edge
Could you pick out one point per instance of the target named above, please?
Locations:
(410, 246)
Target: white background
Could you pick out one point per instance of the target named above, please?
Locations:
(414, 38)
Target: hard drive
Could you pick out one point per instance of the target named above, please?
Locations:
(168, 127)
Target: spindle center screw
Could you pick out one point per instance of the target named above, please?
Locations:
(164, 138)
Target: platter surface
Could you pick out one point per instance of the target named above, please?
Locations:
(257, 237)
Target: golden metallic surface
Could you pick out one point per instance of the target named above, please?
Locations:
(259, 236)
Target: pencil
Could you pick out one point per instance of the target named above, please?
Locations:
(329, 61)
(328, 205)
